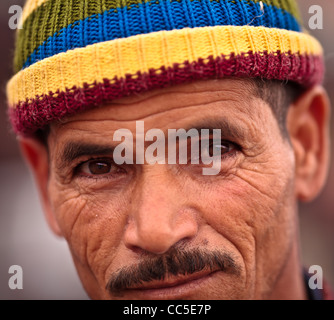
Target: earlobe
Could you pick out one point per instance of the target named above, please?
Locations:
(308, 127)
(36, 155)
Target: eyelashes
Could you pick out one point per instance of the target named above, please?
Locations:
(105, 167)
(97, 167)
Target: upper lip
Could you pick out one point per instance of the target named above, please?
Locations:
(171, 281)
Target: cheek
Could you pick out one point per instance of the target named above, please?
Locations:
(92, 225)
(245, 206)
(254, 209)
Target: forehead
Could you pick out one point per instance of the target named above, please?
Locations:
(177, 102)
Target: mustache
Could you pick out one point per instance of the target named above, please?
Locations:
(175, 262)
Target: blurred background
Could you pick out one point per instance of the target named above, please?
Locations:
(25, 239)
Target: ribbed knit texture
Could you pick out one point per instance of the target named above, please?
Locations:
(72, 55)
(61, 28)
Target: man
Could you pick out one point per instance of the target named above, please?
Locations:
(92, 76)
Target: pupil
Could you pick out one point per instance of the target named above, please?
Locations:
(99, 167)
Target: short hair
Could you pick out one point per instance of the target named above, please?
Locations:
(279, 95)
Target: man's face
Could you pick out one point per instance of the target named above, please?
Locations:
(167, 231)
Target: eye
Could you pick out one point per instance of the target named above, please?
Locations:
(223, 148)
(97, 167)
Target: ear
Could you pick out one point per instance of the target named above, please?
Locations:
(36, 155)
(308, 127)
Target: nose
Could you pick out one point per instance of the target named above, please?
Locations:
(160, 217)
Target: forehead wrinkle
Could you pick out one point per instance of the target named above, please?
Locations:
(69, 121)
(165, 95)
(201, 86)
(164, 101)
(249, 126)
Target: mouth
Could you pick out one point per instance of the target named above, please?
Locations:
(179, 287)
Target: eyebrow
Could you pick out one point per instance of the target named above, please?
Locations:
(228, 130)
(76, 149)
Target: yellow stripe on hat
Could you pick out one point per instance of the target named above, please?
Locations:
(121, 57)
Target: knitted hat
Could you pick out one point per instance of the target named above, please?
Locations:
(72, 55)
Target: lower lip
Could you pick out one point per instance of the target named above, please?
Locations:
(182, 291)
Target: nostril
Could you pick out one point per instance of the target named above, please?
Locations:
(158, 240)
